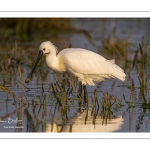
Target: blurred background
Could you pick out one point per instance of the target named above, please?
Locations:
(27, 29)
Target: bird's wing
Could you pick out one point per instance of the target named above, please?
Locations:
(86, 62)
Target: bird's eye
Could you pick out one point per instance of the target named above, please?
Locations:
(43, 49)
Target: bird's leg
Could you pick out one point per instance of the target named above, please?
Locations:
(80, 96)
(85, 92)
(80, 90)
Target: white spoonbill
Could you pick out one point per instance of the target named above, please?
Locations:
(88, 66)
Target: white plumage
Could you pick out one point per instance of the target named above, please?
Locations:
(84, 64)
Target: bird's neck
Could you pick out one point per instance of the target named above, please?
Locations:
(55, 62)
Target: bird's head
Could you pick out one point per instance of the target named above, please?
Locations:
(46, 48)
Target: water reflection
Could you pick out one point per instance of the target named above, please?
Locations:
(84, 122)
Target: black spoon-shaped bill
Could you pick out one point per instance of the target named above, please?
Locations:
(34, 66)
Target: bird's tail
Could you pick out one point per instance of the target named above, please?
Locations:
(116, 71)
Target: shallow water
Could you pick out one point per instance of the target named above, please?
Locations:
(49, 117)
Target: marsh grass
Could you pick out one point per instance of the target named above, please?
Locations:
(142, 57)
(89, 37)
(116, 47)
(63, 93)
(27, 28)
(134, 60)
(11, 93)
(18, 109)
(67, 92)
(144, 51)
(107, 102)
